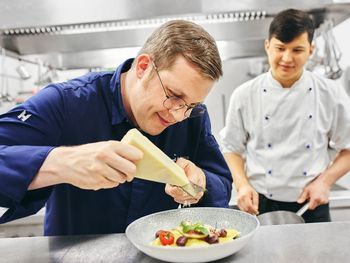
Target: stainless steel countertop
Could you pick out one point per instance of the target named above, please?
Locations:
(318, 242)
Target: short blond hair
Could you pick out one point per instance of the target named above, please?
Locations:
(185, 38)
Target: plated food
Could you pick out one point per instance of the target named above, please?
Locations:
(141, 233)
(189, 234)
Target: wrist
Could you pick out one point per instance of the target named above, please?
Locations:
(241, 184)
(52, 165)
(326, 179)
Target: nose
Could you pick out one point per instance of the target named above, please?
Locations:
(287, 56)
(179, 114)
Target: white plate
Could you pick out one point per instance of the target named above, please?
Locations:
(142, 231)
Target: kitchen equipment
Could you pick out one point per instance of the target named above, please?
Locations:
(288, 217)
(4, 90)
(142, 232)
(326, 54)
(90, 39)
(23, 72)
(283, 217)
(188, 188)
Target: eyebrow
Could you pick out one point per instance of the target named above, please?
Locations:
(296, 47)
(176, 93)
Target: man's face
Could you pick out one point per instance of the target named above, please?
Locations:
(181, 80)
(288, 59)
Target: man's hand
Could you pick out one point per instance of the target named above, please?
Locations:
(248, 199)
(195, 175)
(317, 192)
(90, 166)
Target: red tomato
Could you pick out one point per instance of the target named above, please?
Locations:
(166, 238)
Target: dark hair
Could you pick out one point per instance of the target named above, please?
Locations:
(180, 37)
(291, 23)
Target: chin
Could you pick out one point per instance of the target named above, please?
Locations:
(154, 132)
(152, 129)
(154, 125)
(286, 74)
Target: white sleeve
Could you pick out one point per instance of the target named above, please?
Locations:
(340, 129)
(233, 136)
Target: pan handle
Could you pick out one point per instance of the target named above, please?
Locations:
(305, 207)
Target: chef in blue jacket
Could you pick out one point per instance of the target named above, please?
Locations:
(62, 146)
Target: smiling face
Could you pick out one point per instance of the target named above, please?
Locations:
(145, 99)
(287, 60)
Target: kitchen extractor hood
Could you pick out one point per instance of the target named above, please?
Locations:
(89, 33)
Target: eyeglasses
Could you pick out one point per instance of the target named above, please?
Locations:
(174, 103)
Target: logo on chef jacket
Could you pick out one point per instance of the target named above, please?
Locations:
(23, 116)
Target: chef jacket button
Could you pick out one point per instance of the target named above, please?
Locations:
(269, 145)
(264, 90)
(305, 173)
(267, 118)
(310, 89)
(269, 171)
(308, 146)
(310, 116)
(270, 195)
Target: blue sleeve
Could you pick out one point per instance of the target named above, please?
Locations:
(28, 133)
(212, 162)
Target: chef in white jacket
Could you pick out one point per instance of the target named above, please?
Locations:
(282, 125)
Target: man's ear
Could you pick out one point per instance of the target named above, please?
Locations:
(143, 62)
(312, 48)
(267, 45)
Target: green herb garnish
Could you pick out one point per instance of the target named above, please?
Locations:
(198, 227)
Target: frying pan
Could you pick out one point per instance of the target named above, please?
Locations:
(283, 217)
(287, 217)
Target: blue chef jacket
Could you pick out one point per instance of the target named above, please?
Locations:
(85, 110)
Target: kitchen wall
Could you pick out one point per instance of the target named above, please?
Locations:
(341, 33)
(19, 89)
(11, 84)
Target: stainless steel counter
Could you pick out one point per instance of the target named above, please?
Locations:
(321, 242)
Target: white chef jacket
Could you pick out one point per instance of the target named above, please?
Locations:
(286, 134)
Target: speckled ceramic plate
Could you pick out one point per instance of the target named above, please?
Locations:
(141, 232)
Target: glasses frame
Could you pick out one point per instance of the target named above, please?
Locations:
(189, 107)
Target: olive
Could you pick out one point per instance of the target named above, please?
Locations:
(211, 239)
(222, 233)
(158, 232)
(181, 241)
